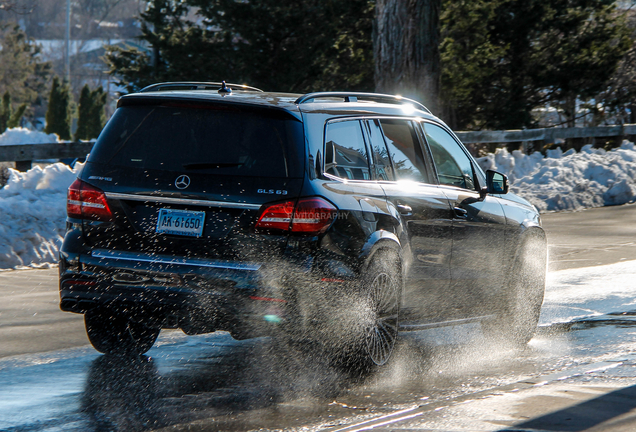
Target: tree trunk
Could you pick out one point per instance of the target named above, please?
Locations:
(570, 111)
(406, 49)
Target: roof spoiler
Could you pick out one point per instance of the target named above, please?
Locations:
(195, 85)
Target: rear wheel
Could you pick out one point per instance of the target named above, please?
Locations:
(375, 326)
(382, 332)
(110, 333)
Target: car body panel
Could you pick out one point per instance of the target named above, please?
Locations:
(479, 225)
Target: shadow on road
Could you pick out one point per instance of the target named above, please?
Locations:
(603, 410)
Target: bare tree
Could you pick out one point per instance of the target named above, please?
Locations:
(406, 49)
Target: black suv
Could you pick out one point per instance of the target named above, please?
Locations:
(336, 218)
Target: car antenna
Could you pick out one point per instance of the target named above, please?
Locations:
(224, 90)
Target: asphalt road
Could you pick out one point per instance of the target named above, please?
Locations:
(591, 237)
(444, 380)
(30, 317)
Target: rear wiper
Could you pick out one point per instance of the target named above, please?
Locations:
(211, 165)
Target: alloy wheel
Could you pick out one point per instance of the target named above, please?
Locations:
(383, 331)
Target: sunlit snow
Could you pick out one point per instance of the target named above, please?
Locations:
(589, 292)
(25, 136)
(569, 181)
(33, 215)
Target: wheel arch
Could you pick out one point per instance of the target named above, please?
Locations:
(517, 238)
(531, 234)
(377, 241)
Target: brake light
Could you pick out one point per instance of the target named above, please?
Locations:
(87, 202)
(309, 216)
(277, 216)
(313, 216)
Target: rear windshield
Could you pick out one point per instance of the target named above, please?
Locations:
(219, 141)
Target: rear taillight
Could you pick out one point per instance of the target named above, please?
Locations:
(87, 202)
(311, 216)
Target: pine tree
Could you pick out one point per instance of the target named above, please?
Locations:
(84, 112)
(97, 118)
(21, 70)
(5, 114)
(58, 114)
(503, 58)
(8, 117)
(91, 113)
(297, 46)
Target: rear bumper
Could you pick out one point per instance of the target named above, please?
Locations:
(194, 294)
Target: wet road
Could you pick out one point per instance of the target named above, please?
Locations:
(212, 382)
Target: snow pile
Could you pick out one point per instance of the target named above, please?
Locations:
(570, 180)
(25, 136)
(33, 214)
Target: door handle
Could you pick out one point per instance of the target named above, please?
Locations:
(405, 210)
(460, 212)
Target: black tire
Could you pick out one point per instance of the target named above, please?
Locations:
(517, 323)
(377, 331)
(110, 333)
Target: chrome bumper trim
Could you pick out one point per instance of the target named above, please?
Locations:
(168, 200)
(163, 259)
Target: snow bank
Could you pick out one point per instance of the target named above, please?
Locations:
(33, 214)
(25, 136)
(570, 180)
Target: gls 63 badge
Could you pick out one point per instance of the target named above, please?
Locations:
(271, 192)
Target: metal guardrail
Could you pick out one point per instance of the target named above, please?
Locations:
(24, 154)
(549, 135)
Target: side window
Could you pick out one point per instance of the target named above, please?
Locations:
(382, 163)
(404, 150)
(453, 166)
(345, 152)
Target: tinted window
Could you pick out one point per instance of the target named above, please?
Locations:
(453, 166)
(404, 150)
(218, 141)
(345, 152)
(382, 163)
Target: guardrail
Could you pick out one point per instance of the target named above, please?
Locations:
(548, 135)
(24, 154)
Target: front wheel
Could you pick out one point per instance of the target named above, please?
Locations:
(518, 320)
(110, 333)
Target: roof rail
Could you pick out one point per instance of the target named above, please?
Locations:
(193, 85)
(354, 96)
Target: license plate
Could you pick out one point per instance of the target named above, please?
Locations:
(180, 222)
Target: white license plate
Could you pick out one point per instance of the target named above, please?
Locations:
(180, 222)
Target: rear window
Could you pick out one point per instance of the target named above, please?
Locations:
(215, 140)
(345, 152)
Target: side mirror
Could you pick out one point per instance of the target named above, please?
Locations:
(497, 182)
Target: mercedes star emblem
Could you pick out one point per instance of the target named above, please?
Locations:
(182, 182)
